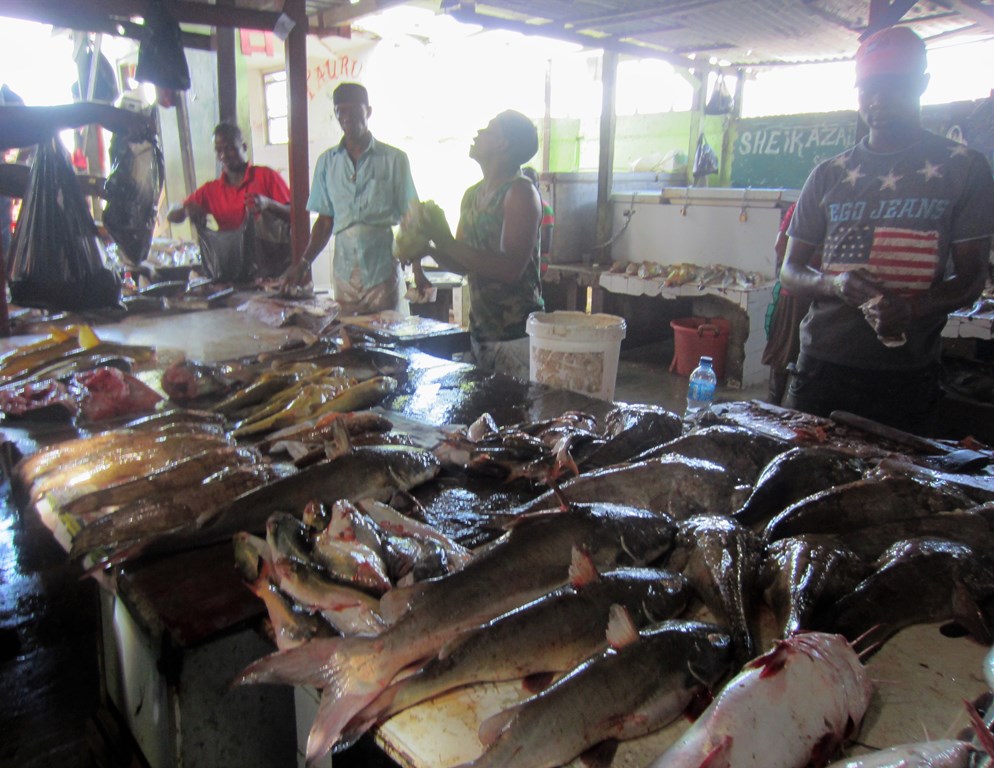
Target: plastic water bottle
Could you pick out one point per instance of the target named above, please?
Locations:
(700, 393)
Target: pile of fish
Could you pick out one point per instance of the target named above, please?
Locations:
(725, 523)
(674, 275)
(183, 478)
(74, 373)
(636, 582)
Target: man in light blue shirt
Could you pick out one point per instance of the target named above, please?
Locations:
(361, 189)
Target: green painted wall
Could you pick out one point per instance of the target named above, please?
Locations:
(766, 152)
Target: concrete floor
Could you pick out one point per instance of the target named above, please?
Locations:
(644, 377)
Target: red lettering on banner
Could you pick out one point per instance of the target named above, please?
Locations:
(255, 41)
(328, 71)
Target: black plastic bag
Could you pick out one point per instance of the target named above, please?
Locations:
(228, 255)
(720, 102)
(132, 191)
(272, 244)
(705, 160)
(57, 257)
(161, 59)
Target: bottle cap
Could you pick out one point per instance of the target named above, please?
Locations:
(705, 359)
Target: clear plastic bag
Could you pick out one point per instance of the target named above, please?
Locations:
(57, 259)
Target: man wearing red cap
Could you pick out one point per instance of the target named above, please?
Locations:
(904, 221)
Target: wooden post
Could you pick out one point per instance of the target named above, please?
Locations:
(296, 67)
(227, 81)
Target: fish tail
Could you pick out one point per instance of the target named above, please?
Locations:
(308, 664)
(334, 714)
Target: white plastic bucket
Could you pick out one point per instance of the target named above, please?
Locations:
(575, 351)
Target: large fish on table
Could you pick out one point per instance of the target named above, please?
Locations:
(121, 464)
(791, 707)
(920, 581)
(801, 576)
(630, 430)
(176, 476)
(531, 559)
(626, 692)
(672, 485)
(128, 530)
(367, 472)
(863, 503)
(549, 635)
(720, 558)
(742, 452)
(794, 474)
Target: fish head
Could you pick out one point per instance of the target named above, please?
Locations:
(630, 536)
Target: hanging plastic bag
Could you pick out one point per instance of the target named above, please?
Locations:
(272, 244)
(705, 159)
(228, 255)
(720, 102)
(132, 191)
(161, 59)
(57, 258)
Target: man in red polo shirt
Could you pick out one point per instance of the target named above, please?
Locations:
(241, 188)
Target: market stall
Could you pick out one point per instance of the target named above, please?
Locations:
(180, 624)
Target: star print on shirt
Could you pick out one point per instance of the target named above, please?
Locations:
(853, 175)
(841, 161)
(959, 149)
(930, 171)
(889, 181)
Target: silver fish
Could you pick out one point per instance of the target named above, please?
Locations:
(530, 560)
(549, 635)
(620, 694)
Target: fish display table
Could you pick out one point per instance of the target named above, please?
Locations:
(921, 678)
(422, 333)
(178, 628)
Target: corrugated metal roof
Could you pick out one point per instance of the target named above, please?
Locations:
(734, 32)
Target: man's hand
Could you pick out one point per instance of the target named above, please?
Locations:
(294, 277)
(196, 214)
(888, 314)
(856, 287)
(256, 203)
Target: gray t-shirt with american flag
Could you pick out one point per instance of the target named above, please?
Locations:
(897, 216)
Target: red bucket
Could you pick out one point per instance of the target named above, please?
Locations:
(694, 337)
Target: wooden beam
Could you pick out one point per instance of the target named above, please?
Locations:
(347, 12)
(184, 11)
(885, 13)
(299, 171)
(72, 17)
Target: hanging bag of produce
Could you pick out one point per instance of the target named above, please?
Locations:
(132, 191)
(57, 258)
(228, 255)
